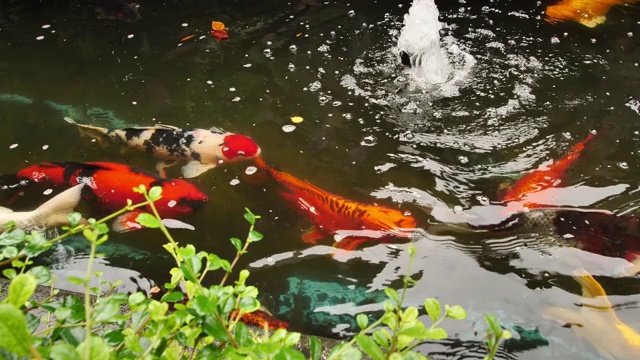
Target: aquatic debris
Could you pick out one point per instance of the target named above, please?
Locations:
(187, 38)
(219, 31)
(597, 321)
(296, 119)
(590, 13)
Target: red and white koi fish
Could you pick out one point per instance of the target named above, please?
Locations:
(202, 149)
(50, 214)
(111, 184)
(542, 179)
(350, 223)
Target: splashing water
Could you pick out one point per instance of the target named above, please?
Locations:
(419, 43)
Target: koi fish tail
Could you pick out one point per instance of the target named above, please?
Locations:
(54, 212)
(94, 132)
(590, 287)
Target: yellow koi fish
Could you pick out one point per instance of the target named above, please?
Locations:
(597, 322)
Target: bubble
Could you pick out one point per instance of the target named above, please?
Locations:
(291, 67)
(134, 102)
(288, 128)
(369, 140)
(293, 48)
(351, 13)
(234, 182)
(247, 65)
(463, 159)
(250, 170)
(209, 82)
(47, 192)
(623, 165)
(185, 24)
(267, 52)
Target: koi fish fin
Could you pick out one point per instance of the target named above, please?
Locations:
(162, 165)
(94, 132)
(563, 316)
(590, 287)
(5, 210)
(127, 222)
(635, 266)
(194, 168)
(177, 224)
(54, 212)
(166, 127)
(351, 243)
(312, 235)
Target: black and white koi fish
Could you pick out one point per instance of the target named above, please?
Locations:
(202, 149)
(50, 214)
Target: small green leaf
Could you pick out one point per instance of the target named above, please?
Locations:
(41, 273)
(105, 310)
(409, 314)
(74, 219)
(147, 220)
(90, 234)
(433, 308)
(63, 351)
(494, 324)
(98, 348)
(241, 334)
(32, 322)
(456, 312)
(10, 252)
(506, 335)
(12, 237)
(21, 289)
(9, 273)
(214, 328)
(362, 320)
(436, 334)
(14, 335)
(388, 306)
(344, 351)
(136, 298)
(392, 294)
(76, 280)
(255, 236)
(157, 310)
(249, 304)
(155, 193)
(173, 296)
(251, 219)
(369, 347)
(412, 250)
(315, 348)
(382, 337)
(237, 243)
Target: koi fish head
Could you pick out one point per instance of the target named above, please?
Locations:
(238, 147)
(397, 222)
(179, 197)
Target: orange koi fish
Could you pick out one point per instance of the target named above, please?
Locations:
(589, 13)
(350, 222)
(260, 318)
(544, 178)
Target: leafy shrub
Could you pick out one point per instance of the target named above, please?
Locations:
(205, 321)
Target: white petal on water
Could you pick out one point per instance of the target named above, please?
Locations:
(40, 37)
(130, 36)
(13, 146)
(288, 128)
(46, 26)
(234, 182)
(250, 170)
(45, 147)
(47, 192)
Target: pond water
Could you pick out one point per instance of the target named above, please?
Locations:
(511, 92)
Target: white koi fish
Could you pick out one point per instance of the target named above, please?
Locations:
(50, 214)
(202, 149)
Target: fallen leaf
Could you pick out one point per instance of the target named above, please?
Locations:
(187, 37)
(219, 35)
(217, 25)
(296, 119)
(298, 34)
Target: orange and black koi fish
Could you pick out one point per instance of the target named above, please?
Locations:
(542, 179)
(111, 184)
(350, 222)
(260, 318)
(590, 13)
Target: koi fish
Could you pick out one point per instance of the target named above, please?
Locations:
(219, 31)
(590, 13)
(118, 10)
(350, 222)
(111, 184)
(543, 178)
(50, 214)
(202, 149)
(260, 318)
(598, 322)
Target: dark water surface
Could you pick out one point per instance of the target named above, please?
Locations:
(369, 133)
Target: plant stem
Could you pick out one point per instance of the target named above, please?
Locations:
(87, 300)
(238, 254)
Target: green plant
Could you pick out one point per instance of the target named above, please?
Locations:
(495, 334)
(205, 321)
